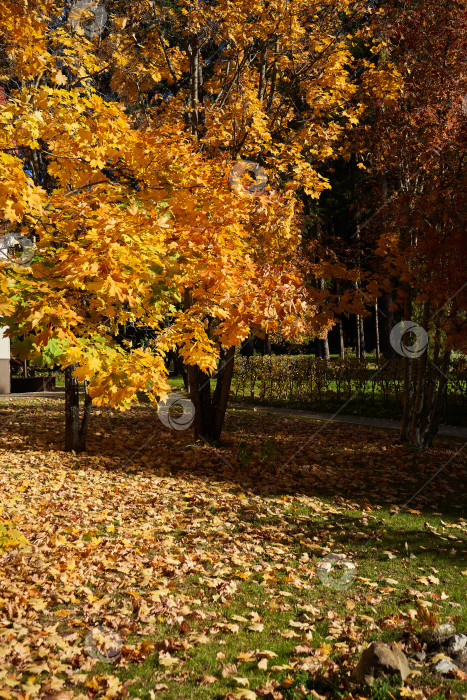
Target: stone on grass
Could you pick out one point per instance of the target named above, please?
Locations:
(444, 666)
(457, 643)
(438, 634)
(380, 660)
(461, 660)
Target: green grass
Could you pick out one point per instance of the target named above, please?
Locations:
(368, 596)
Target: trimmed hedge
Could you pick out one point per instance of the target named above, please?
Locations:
(313, 380)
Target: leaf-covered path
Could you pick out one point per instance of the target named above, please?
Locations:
(455, 431)
(208, 563)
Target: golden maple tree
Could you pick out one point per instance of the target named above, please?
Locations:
(123, 179)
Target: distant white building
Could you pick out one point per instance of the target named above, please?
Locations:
(4, 363)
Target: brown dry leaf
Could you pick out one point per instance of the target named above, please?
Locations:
(266, 654)
(303, 648)
(426, 580)
(168, 661)
(256, 627)
(289, 634)
(59, 78)
(269, 689)
(316, 695)
(241, 681)
(413, 693)
(233, 629)
(228, 670)
(299, 625)
(184, 627)
(208, 680)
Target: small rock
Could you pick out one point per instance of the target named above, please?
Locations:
(461, 660)
(380, 660)
(444, 631)
(420, 656)
(438, 634)
(444, 666)
(457, 643)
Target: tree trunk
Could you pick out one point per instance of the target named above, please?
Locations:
(422, 391)
(179, 366)
(362, 339)
(386, 325)
(378, 351)
(262, 74)
(273, 81)
(422, 411)
(210, 411)
(384, 329)
(358, 344)
(325, 345)
(83, 431)
(431, 426)
(408, 387)
(267, 345)
(75, 434)
(71, 411)
(340, 326)
(341, 340)
(195, 73)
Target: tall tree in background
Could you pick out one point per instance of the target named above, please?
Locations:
(418, 148)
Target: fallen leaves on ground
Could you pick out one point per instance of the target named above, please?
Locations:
(158, 545)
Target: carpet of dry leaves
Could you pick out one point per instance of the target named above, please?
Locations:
(165, 542)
